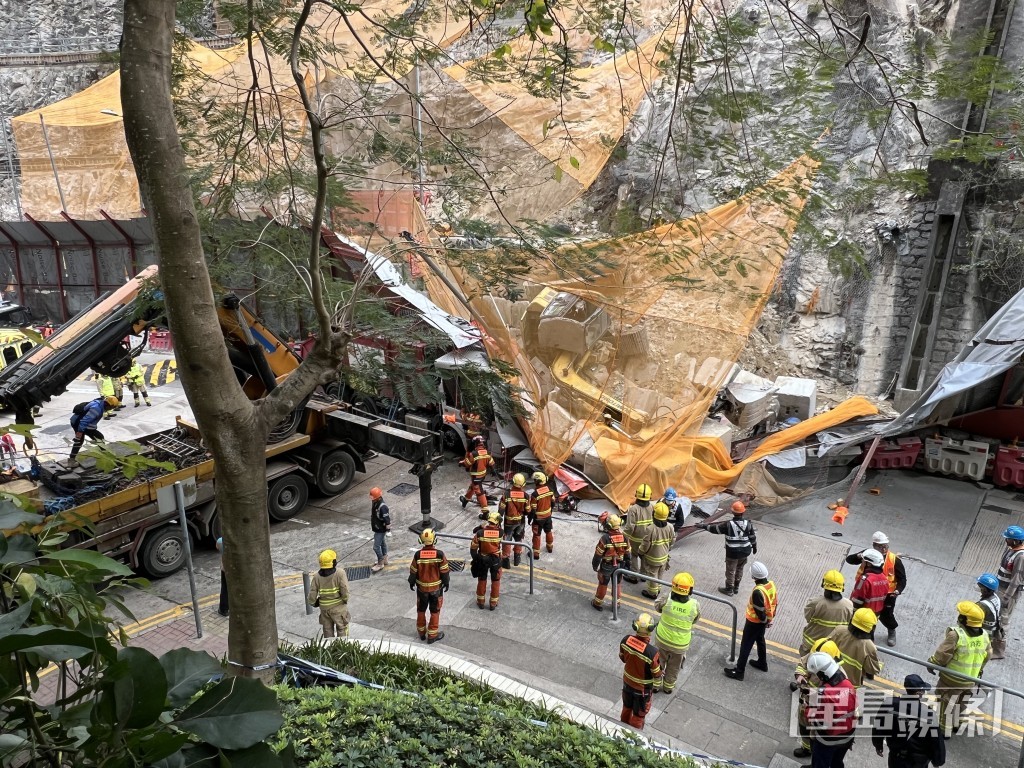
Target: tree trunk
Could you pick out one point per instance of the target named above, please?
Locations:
(234, 428)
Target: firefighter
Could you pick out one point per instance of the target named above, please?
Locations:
(514, 506)
(860, 656)
(679, 612)
(137, 383)
(740, 543)
(761, 609)
(678, 508)
(908, 724)
(872, 586)
(965, 649)
(990, 603)
(477, 462)
(485, 550)
(84, 419)
(110, 387)
(542, 501)
(831, 712)
(805, 683)
(1011, 570)
(824, 613)
(654, 549)
(380, 525)
(328, 591)
(612, 551)
(639, 517)
(896, 577)
(428, 575)
(642, 668)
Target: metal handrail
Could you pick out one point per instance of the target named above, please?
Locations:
(617, 573)
(976, 680)
(527, 547)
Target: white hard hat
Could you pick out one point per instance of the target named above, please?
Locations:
(822, 664)
(873, 556)
(879, 538)
(759, 570)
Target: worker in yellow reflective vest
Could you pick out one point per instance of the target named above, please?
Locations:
(654, 549)
(328, 591)
(965, 649)
(679, 611)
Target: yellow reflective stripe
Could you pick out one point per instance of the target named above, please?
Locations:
(852, 662)
(970, 653)
(824, 623)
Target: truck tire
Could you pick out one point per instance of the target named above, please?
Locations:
(337, 469)
(287, 497)
(163, 551)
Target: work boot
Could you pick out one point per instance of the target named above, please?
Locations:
(385, 561)
(793, 686)
(631, 579)
(423, 635)
(891, 639)
(440, 636)
(551, 547)
(732, 673)
(998, 646)
(762, 665)
(801, 751)
(651, 595)
(517, 559)
(493, 607)
(137, 402)
(480, 606)
(463, 500)
(377, 567)
(72, 463)
(726, 590)
(735, 591)
(505, 563)
(149, 403)
(596, 605)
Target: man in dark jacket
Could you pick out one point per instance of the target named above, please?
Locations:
(740, 543)
(910, 726)
(380, 524)
(84, 419)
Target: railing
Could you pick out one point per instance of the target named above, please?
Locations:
(21, 46)
(975, 680)
(527, 547)
(617, 574)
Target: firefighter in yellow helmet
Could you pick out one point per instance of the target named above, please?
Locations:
(612, 551)
(428, 576)
(965, 648)
(860, 656)
(328, 591)
(639, 517)
(642, 668)
(679, 612)
(542, 501)
(827, 611)
(805, 682)
(654, 549)
(514, 507)
(485, 551)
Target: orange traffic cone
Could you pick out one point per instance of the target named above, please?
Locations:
(840, 515)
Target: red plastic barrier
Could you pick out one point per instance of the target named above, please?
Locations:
(160, 341)
(1009, 466)
(901, 453)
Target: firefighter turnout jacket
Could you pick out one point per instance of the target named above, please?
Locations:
(478, 461)
(428, 571)
(514, 505)
(541, 502)
(655, 544)
(642, 662)
(612, 551)
(328, 587)
(860, 657)
(823, 616)
(639, 517)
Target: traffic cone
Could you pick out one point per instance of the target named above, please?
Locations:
(840, 515)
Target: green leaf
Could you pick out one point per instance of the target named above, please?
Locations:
(186, 672)
(14, 620)
(256, 756)
(17, 549)
(140, 690)
(234, 714)
(10, 745)
(54, 644)
(557, 175)
(34, 336)
(574, 162)
(160, 745)
(91, 559)
(11, 516)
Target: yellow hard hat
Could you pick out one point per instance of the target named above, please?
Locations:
(827, 646)
(973, 612)
(643, 492)
(428, 537)
(682, 583)
(518, 479)
(865, 619)
(644, 624)
(614, 521)
(540, 478)
(328, 558)
(833, 581)
(661, 511)
(112, 401)
(494, 517)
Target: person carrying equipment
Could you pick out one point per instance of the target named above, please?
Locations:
(654, 550)
(485, 551)
(860, 656)
(84, 419)
(328, 591)
(428, 575)
(542, 501)
(612, 551)
(895, 574)
(136, 379)
(477, 462)
(679, 612)
(740, 544)
(965, 649)
(761, 609)
(514, 506)
(639, 518)
(642, 667)
(988, 584)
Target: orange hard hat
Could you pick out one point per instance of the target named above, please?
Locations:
(738, 507)
(376, 493)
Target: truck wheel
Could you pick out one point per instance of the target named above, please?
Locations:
(287, 497)
(163, 551)
(451, 441)
(336, 472)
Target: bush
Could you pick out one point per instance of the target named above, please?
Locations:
(362, 727)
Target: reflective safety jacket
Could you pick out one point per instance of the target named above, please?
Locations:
(763, 602)
(675, 630)
(612, 551)
(514, 506)
(428, 571)
(961, 651)
(832, 710)
(639, 517)
(541, 501)
(870, 592)
(478, 461)
(893, 569)
(329, 586)
(486, 541)
(993, 608)
(740, 539)
(135, 374)
(642, 662)
(823, 615)
(860, 657)
(1011, 569)
(657, 540)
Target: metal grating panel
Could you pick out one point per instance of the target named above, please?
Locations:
(358, 572)
(404, 489)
